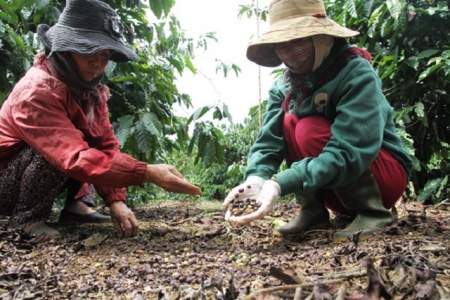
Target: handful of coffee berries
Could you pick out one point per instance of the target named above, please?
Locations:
(243, 206)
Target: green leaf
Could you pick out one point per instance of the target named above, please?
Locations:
(110, 67)
(217, 114)
(177, 64)
(209, 152)
(351, 8)
(125, 127)
(386, 27)
(156, 7)
(143, 136)
(5, 17)
(427, 53)
(430, 188)
(167, 5)
(442, 187)
(236, 69)
(446, 54)
(201, 147)
(395, 7)
(41, 3)
(217, 133)
(413, 62)
(220, 152)
(9, 14)
(17, 39)
(195, 137)
(200, 112)
(226, 112)
(151, 123)
(189, 64)
(429, 71)
(375, 17)
(419, 109)
(123, 78)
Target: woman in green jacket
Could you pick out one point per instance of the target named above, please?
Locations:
(328, 118)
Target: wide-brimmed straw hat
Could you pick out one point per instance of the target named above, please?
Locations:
(86, 27)
(290, 20)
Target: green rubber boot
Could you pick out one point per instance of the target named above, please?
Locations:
(313, 214)
(363, 196)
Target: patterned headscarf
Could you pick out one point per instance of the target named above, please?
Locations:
(304, 85)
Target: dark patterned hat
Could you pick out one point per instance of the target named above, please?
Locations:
(86, 27)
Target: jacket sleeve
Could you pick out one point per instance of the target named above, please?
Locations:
(357, 134)
(109, 142)
(268, 151)
(42, 121)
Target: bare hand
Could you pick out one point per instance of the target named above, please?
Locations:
(168, 177)
(124, 219)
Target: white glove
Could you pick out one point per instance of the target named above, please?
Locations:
(249, 189)
(267, 198)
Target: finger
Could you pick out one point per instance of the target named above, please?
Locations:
(247, 218)
(242, 220)
(117, 226)
(135, 226)
(239, 220)
(182, 186)
(190, 189)
(231, 195)
(196, 191)
(227, 215)
(128, 227)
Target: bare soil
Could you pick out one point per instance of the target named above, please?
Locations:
(185, 250)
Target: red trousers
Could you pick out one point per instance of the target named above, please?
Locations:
(307, 138)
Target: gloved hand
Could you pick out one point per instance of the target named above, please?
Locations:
(267, 198)
(249, 189)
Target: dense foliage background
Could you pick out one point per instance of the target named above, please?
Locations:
(409, 40)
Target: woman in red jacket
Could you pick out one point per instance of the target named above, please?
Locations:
(55, 133)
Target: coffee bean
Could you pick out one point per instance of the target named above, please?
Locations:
(240, 207)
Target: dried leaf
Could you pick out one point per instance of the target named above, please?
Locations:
(284, 276)
(94, 240)
(264, 296)
(376, 288)
(323, 291)
(206, 221)
(424, 290)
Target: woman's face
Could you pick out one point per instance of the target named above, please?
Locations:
(92, 66)
(297, 55)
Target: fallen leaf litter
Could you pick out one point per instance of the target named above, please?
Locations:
(200, 256)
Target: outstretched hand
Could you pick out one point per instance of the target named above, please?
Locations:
(266, 198)
(249, 189)
(123, 219)
(168, 177)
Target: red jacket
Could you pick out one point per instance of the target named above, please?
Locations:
(40, 112)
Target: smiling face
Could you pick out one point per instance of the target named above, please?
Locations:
(92, 66)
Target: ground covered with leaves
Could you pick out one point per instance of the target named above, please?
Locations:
(185, 250)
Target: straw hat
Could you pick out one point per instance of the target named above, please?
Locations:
(86, 27)
(290, 20)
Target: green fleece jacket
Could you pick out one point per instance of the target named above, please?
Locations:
(362, 124)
